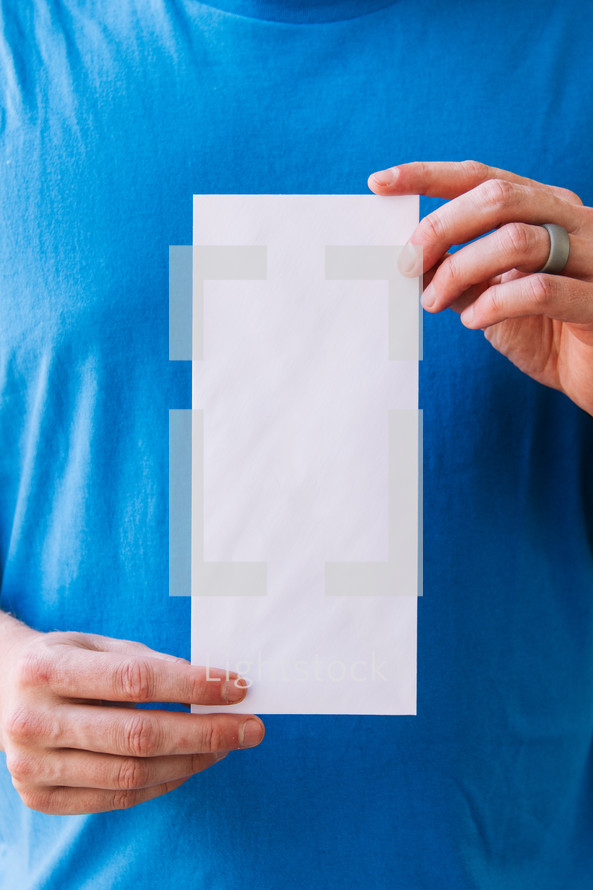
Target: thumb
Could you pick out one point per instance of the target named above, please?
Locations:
(110, 644)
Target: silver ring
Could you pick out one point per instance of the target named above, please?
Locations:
(559, 249)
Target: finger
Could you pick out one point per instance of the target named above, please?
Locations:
(555, 296)
(144, 733)
(448, 179)
(461, 302)
(514, 246)
(110, 644)
(487, 207)
(113, 676)
(86, 769)
(476, 290)
(470, 294)
(429, 275)
(75, 801)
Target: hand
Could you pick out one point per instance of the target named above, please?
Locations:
(73, 742)
(543, 323)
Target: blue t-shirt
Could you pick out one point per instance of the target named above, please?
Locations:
(111, 116)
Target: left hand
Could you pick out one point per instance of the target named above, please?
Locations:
(543, 323)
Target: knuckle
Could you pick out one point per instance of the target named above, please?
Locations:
(517, 238)
(569, 195)
(134, 680)
(141, 736)
(25, 726)
(432, 227)
(21, 767)
(38, 799)
(132, 774)
(211, 737)
(123, 799)
(34, 669)
(539, 289)
(476, 169)
(495, 193)
(422, 168)
(450, 275)
(494, 304)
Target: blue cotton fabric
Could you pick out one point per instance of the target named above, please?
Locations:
(111, 116)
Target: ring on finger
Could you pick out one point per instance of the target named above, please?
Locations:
(559, 249)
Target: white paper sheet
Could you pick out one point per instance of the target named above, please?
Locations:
(305, 454)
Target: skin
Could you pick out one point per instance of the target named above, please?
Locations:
(73, 741)
(542, 323)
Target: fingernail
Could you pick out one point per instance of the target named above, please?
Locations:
(428, 298)
(233, 690)
(409, 261)
(250, 733)
(385, 177)
(220, 755)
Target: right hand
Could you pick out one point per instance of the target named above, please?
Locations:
(75, 744)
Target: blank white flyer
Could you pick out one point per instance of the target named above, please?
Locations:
(306, 451)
